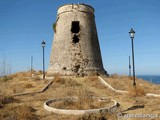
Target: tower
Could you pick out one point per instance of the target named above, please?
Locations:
(75, 48)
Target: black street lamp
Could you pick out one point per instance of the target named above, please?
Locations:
(132, 33)
(43, 45)
(129, 67)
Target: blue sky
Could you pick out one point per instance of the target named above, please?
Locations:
(24, 24)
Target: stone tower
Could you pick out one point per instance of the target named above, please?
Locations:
(75, 48)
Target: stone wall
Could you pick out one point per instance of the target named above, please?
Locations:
(75, 48)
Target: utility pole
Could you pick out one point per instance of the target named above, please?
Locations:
(31, 65)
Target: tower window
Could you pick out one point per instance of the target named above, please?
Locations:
(75, 27)
(75, 39)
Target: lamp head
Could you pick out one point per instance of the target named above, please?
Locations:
(132, 33)
(43, 44)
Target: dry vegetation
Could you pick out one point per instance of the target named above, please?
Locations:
(30, 107)
(20, 82)
(85, 97)
(125, 83)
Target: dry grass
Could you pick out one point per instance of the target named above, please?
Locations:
(21, 75)
(85, 100)
(31, 106)
(6, 78)
(36, 78)
(6, 99)
(19, 83)
(93, 81)
(58, 79)
(136, 91)
(22, 112)
(29, 85)
(126, 83)
(25, 112)
(123, 82)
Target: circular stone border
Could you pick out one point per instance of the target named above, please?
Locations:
(79, 112)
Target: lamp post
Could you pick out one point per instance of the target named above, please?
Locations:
(129, 67)
(43, 45)
(132, 33)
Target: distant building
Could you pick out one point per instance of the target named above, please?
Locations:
(75, 49)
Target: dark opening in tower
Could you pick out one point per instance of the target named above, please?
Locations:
(75, 27)
(75, 39)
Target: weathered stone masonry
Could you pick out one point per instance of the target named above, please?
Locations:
(75, 49)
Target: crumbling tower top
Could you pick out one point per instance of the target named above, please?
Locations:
(73, 7)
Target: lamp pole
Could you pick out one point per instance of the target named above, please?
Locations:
(132, 33)
(43, 45)
(129, 67)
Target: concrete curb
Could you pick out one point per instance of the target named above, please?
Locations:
(78, 112)
(109, 86)
(121, 91)
(28, 93)
(152, 95)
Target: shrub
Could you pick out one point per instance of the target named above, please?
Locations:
(22, 112)
(1, 105)
(84, 98)
(25, 112)
(6, 100)
(29, 85)
(54, 27)
(136, 91)
(99, 116)
(83, 101)
(58, 79)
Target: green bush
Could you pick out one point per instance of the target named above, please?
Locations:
(54, 27)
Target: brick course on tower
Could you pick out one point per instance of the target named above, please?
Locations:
(75, 48)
